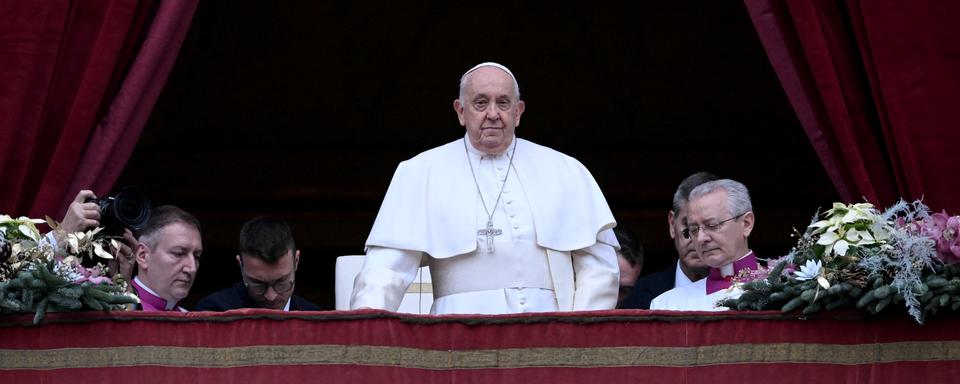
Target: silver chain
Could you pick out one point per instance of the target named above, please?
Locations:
(475, 182)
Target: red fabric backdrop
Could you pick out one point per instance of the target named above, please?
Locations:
(116, 135)
(67, 65)
(875, 85)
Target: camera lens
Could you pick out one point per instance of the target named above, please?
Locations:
(131, 208)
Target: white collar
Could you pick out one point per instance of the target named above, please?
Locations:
(679, 278)
(727, 270)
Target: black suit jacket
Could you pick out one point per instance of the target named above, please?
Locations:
(649, 287)
(237, 297)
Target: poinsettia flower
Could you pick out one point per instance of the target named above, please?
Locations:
(73, 244)
(841, 247)
(21, 226)
(828, 238)
(94, 232)
(853, 236)
(4, 219)
(853, 216)
(29, 231)
(848, 226)
(857, 212)
(821, 224)
(860, 238)
(98, 249)
(835, 244)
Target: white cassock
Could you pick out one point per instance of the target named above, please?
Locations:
(692, 297)
(556, 250)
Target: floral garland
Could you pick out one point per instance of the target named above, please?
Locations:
(858, 257)
(40, 274)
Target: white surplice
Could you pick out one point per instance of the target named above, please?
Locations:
(693, 297)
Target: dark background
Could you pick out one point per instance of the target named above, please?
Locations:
(303, 110)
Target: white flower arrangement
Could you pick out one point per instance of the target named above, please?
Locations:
(40, 274)
(855, 256)
(846, 226)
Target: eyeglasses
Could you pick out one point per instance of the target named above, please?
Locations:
(694, 230)
(279, 286)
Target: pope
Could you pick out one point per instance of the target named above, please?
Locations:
(505, 225)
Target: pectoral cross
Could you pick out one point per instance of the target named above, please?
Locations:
(489, 232)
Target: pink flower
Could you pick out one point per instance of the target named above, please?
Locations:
(761, 273)
(788, 270)
(945, 231)
(95, 280)
(94, 275)
(948, 243)
(934, 226)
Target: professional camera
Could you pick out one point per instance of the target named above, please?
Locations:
(129, 208)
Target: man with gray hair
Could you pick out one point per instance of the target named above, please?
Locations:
(505, 225)
(720, 219)
(168, 256)
(689, 266)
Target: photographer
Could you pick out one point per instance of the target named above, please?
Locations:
(82, 216)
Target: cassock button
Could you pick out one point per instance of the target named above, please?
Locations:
(516, 227)
(509, 201)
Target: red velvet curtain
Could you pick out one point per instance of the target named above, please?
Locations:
(876, 87)
(116, 134)
(68, 65)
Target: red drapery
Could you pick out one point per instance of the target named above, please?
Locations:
(116, 135)
(67, 66)
(875, 85)
(255, 345)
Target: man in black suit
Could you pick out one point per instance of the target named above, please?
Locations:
(268, 264)
(689, 267)
(630, 259)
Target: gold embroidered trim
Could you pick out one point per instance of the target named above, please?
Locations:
(230, 357)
